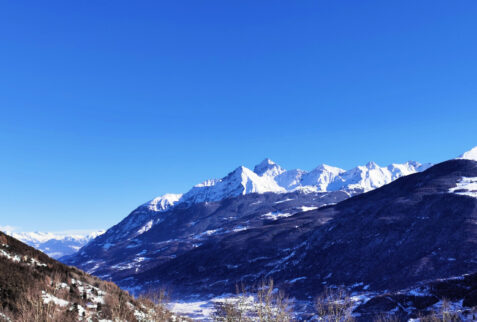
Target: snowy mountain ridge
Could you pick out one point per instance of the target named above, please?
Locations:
(268, 176)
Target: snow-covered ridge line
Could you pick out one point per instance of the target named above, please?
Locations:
(268, 176)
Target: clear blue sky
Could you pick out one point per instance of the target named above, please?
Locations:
(106, 104)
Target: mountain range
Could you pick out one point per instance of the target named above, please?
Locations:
(373, 230)
(173, 226)
(55, 245)
(268, 176)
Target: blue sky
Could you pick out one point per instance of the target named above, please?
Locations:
(106, 104)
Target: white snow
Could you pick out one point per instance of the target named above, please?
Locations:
(146, 227)
(56, 244)
(17, 258)
(268, 168)
(469, 155)
(321, 177)
(211, 232)
(371, 176)
(34, 262)
(47, 298)
(466, 186)
(162, 203)
(239, 228)
(239, 182)
(42, 237)
(282, 201)
(275, 215)
(304, 208)
(270, 177)
(195, 310)
(14, 257)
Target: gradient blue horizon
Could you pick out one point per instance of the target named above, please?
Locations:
(106, 105)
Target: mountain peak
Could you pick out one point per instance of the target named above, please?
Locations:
(268, 167)
(325, 167)
(372, 165)
(267, 161)
(470, 155)
(162, 203)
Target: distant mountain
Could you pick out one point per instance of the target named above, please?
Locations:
(35, 287)
(55, 245)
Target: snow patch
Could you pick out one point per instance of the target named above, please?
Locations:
(146, 227)
(14, 258)
(466, 187)
(47, 298)
(304, 208)
(275, 215)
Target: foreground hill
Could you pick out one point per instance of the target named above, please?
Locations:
(34, 287)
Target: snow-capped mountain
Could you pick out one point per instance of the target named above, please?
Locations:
(384, 237)
(405, 232)
(241, 181)
(290, 225)
(268, 176)
(55, 245)
(244, 199)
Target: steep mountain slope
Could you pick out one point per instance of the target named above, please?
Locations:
(55, 245)
(34, 287)
(415, 229)
(128, 249)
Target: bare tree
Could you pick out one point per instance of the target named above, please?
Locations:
(334, 305)
(155, 302)
(267, 304)
(445, 314)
